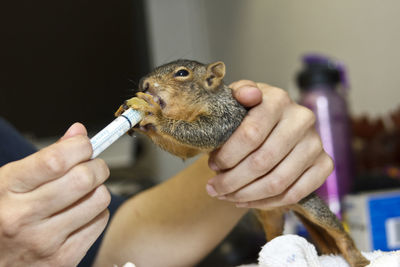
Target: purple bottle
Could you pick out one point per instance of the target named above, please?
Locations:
(319, 82)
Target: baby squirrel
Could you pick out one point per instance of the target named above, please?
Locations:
(188, 110)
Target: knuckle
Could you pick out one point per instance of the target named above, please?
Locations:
(10, 226)
(223, 162)
(105, 218)
(315, 145)
(104, 197)
(224, 186)
(84, 178)
(328, 164)
(104, 167)
(106, 215)
(40, 246)
(276, 186)
(54, 162)
(259, 162)
(293, 197)
(30, 240)
(251, 134)
(308, 115)
(84, 141)
(34, 245)
(12, 219)
(222, 159)
(282, 97)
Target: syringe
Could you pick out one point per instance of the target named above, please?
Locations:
(114, 130)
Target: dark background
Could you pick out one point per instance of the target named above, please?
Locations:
(67, 61)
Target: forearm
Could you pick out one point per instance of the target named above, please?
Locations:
(173, 224)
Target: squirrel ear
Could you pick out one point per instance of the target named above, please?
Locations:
(215, 74)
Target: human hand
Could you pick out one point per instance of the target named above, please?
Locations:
(275, 157)
(53, 205)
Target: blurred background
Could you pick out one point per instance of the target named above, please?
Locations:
(67, 61)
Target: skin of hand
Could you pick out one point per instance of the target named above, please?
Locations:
(275, 157)
(53, 205)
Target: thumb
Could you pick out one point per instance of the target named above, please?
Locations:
(75, 129)
(246, 93)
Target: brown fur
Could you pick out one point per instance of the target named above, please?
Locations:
(190, 110)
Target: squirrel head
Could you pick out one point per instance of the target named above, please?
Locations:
(182, 82)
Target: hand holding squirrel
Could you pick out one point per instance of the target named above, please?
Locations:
(280, 160)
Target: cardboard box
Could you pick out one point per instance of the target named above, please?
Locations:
(374, 220)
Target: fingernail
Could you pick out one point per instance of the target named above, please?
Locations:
(248, 88)
(211, 191)
(242, 205)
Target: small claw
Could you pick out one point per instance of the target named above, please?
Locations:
(148, 98)
(134, 102)
(120, 110)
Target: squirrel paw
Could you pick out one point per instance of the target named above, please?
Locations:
(152, 112)
(145, 103)
(152, 106)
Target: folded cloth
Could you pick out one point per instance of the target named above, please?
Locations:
(288, 250)
(295, 251)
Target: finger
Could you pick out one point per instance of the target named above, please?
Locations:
(253, 130)
(311, 180)
(75, 129)
(289, 131)
(246, 93)
(284, 175)
(80, 213)
(63, 192)
(79, 242)
(248, 96)
(47, 164)
(45, 237)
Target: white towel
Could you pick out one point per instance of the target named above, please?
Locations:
(295, 251)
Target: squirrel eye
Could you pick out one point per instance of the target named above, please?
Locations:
(181, 73)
